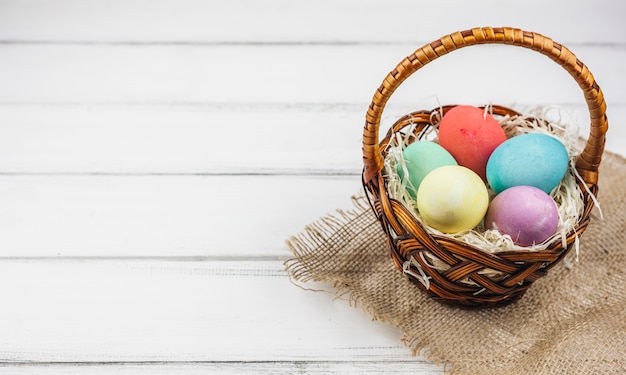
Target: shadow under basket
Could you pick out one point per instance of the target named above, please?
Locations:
(466, 280)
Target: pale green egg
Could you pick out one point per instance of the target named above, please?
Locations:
(421, 158)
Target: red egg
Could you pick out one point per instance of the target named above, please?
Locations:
(470, 135)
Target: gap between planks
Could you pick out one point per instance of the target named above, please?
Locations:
(256, 43)
(412, 365)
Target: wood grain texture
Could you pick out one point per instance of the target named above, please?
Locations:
(162, 216)
(172, 74)
(229, 368)
(180, 139)
(154, 155)
(176, 311)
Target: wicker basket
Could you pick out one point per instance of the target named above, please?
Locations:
(407, 237)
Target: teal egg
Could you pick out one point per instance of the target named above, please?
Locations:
(532, 159)
(421, 158)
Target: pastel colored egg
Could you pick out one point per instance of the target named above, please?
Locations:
(452, 198)
(533, 159)
(470, 135)
(526, 213)
(421, 158)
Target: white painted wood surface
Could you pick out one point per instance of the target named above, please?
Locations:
(154, 156)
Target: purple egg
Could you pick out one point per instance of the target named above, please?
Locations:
(525, 213)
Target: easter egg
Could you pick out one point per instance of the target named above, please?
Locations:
(452, 198)
(470, 135)
(421, 158)
(533, 159)
(525, 213)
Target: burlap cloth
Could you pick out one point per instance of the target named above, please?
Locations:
(573, 321)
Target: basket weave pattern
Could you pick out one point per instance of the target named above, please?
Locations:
(407, 237)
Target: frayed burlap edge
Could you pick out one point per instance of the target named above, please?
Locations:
(322, 236)
(324, 233)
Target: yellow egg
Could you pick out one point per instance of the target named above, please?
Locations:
(452, 199)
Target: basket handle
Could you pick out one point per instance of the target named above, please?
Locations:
(587, 162)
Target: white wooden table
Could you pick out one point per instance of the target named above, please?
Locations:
(154, 156)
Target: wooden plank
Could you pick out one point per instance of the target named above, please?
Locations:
(302, 21)
(181, 139)
(159, 311)
(162, 216)
(212, 139)
(231, 368)
(322, 74)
